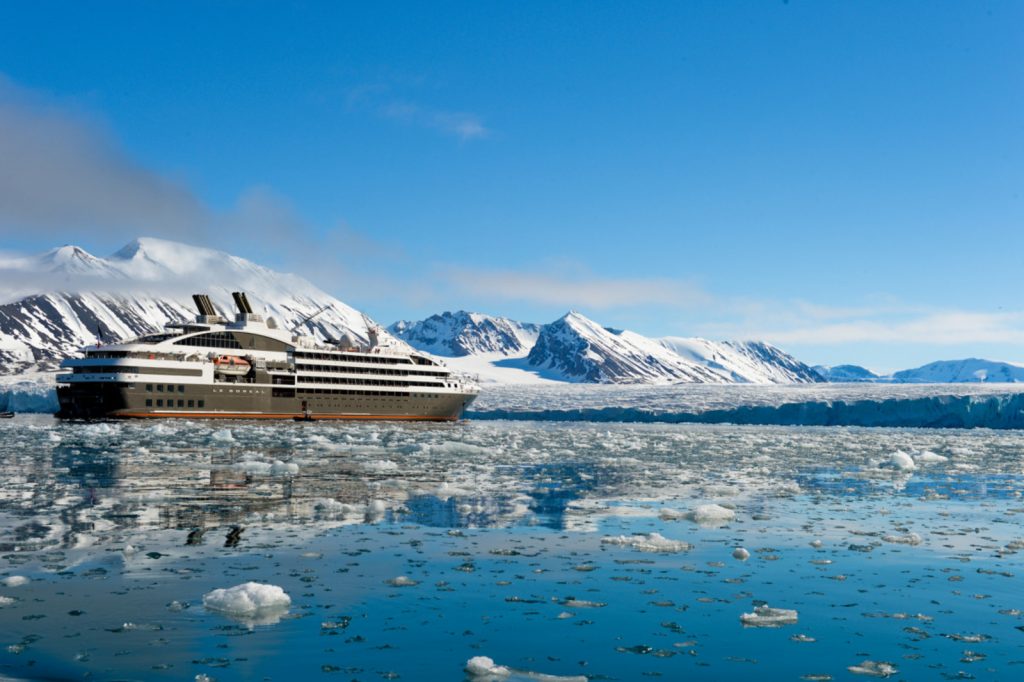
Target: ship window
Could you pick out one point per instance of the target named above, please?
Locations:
(160, 388)
(191, 403)
(202, 403)
(149, 387)
(181, 403)
(149, 402)
(211, 340)
(181, 389)
(160, 402)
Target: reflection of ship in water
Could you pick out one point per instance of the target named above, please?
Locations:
(77, 494)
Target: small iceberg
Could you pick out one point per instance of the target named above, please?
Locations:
(711, 515)
(873, 669)
(766, 617)
(250, 603)
(648, 542)
(484, 669)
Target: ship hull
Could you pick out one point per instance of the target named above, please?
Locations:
(88, 400)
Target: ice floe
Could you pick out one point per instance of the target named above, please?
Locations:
(873, 669)
(251, 602)
(766, 616)
(648, 542)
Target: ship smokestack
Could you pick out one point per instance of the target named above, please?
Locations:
(241, 302)
(204, 305)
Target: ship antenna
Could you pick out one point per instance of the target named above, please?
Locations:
(307, 318)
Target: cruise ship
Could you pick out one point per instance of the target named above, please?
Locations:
(249, 368)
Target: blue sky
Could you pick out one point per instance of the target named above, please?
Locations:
(843, 179)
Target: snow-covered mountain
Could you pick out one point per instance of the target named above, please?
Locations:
(460, 333)
(577, 349)
(747, 362)
(846, 374)
(971, 370)
(66, 298)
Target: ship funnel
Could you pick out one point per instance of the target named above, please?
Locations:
(241, 302)
(204, 305)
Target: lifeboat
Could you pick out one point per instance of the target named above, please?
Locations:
(231, 365)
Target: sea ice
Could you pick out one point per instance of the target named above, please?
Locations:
(873, 669)
(402, 581)
(482, 666)
(929, 457)
(908, 539)
(15, 580)
(766, 616)
(902, 461)
(740, 553)
(6, 601)
(249, 601)
(648, 542)
(711, 514)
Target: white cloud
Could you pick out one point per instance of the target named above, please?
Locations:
(59, 170)
(567, 291)
(378, 98)
(951, 327)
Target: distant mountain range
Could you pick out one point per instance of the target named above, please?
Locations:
(971, 370)
(576, 349)
(54, 303)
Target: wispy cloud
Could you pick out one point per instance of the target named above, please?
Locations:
(594, 292)
(59, 170)
(947, 327)
(382, 101)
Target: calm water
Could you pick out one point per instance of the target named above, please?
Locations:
(500, 534)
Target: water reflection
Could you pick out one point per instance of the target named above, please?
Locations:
(566, 549)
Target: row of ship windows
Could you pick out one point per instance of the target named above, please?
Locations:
(170, 403)
(367, 382)
(125, 369)
(160, 388)
(339, 391)
(211, 340)
(370, 370)
(376, 359)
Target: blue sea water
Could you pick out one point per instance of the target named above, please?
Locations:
(408, 550)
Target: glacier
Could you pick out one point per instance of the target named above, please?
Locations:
(872, 405)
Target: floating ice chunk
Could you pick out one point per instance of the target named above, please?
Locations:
(902, 461)
(648, 542)
(254, 603)
(377, 507)
(711, 514)
(380, 465)
(279, 468)
(223, 436)
(929, 457)
(253, 467)
(6, 601)
(15, 581)
(740, 553)
(908, 539)
(402, 581)
(671, 514)
(767, 617)
(873, 669)
(482, 666)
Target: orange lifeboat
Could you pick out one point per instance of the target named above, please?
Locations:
(231, 365)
